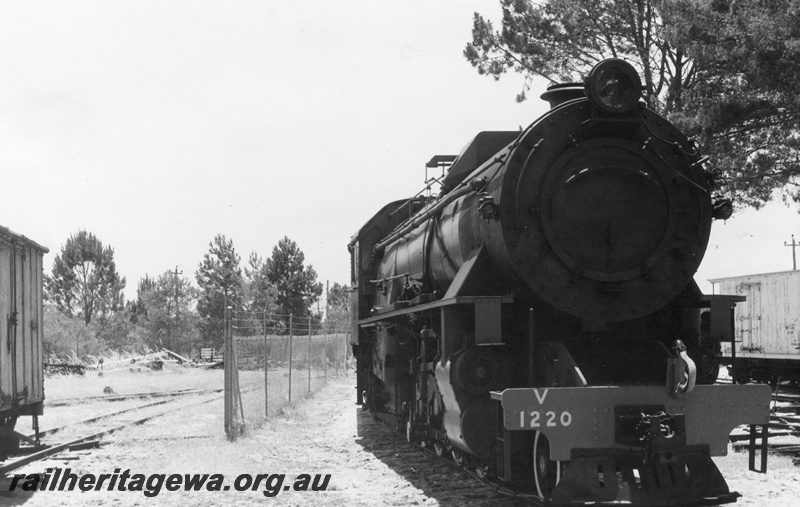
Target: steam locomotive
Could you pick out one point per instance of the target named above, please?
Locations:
(538, 320)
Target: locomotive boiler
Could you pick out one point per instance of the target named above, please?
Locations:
(538, 320)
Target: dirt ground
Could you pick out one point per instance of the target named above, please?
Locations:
(323, 434)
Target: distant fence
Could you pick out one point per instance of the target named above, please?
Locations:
(274, 361)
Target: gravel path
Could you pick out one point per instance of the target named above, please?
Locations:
(323, 434)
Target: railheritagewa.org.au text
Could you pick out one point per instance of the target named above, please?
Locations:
(270, 485)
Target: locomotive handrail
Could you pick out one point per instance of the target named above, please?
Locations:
(421, 194)
(458, 300)
(430, 210)
(476, 184)
(390, 278)
(683, 151)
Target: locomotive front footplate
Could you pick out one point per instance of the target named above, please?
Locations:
(632, 445)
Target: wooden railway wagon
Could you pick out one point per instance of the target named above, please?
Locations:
(767, 327)
(21, 370)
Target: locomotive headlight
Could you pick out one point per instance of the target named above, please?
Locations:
(614, 86)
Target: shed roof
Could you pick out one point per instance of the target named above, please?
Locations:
(775, 274)
(7, 234)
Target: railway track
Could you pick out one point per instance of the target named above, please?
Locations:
(77, 435)
(91, 420)
(435, 472)
(121, 397)
(437, 476)
(783, 429)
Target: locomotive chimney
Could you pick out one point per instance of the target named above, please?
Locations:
(557, 94)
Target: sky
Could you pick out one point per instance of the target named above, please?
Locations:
(157, 125)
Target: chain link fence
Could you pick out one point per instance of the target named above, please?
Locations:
(276, 360)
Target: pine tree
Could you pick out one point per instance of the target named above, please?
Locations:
(259, 292)
(220, 280)
(725, 72)
(338, 306)
(84, 279)
(295, 284)
(168, 315)
(137, 309)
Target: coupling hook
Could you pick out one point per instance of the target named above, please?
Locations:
(681, 371)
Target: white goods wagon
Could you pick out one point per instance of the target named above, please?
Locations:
(21, 375)
(767, 326)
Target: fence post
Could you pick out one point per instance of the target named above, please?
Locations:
(309, 355)
(325, 355)
(266, 369)
(344, 357)
(228, 364)
(291, 330)
(336, 355)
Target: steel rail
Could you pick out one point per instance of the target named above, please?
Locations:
(99, 418)
(44, 453)
(120, 397)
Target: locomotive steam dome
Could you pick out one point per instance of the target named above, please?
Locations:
(608, 212)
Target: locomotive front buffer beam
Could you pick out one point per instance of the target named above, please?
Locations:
(632, 445)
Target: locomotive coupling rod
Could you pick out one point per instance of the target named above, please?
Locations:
(474, 185)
